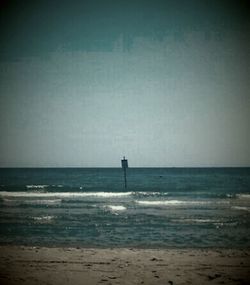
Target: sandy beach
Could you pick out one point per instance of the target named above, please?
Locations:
(41, 265)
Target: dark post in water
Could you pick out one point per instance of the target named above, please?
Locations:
(125, 166)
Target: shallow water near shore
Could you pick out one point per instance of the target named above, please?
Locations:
(161, 207)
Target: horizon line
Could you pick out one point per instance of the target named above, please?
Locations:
(118, 167)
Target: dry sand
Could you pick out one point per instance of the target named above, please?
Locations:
(40, 265)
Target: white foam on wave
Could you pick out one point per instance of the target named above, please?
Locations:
(43, 219)
(171, 203)
(116, 208)
(64, 194)
(43, 202)
(151, 193)
(32, 202)
(36, 186)
(243, 196)
(202, 221)
(196, 221)
(241, 208)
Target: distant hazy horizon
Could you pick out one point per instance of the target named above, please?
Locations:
(165, 83)
(117, 167)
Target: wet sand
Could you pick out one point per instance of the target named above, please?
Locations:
(41, 265)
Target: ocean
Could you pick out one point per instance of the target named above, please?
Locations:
(160, 208)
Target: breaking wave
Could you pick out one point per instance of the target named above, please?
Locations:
(36, 186)
(14, 202)
(43, 219)
(171, 202)
(116, 208)
(243, 196)
(64, 194)
(241, 208)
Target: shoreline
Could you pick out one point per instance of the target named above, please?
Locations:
(130, 247)
(81, 265)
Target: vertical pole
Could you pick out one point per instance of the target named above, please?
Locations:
(125, 177)
(124, 163)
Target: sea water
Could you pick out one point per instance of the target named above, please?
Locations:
(161, 207)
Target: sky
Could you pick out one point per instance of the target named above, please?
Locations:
(165, 83)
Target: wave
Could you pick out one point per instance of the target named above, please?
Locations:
(202, 221)
(64, 194)
(171, 202)
(36, 186)
(116, 208)
(196, 221)
(10, 202)
(183, 195)
(151, 193)
(241, 208)
(243, 196)
(43, 202)
(43, 219)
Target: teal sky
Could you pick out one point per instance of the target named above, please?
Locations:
(165, 83)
